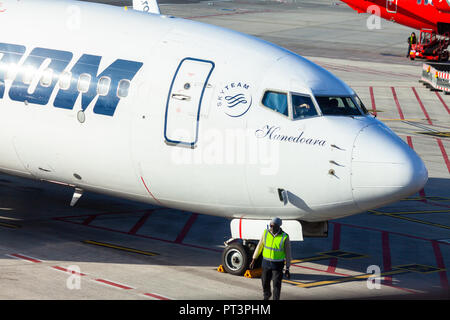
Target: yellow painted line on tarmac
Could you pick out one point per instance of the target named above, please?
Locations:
(401, 269)
(8, 225)
(400, 216)
(411, 212)
(113, 246)
(292, 282)
(422, 212)
(443, 134)
(433, 198)
(420, 268)
(347, 279)
(340, 280)
(315, 258)
(343, 255)
(420, 221)
(331, 255)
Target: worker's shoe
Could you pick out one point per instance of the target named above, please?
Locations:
(267, 296)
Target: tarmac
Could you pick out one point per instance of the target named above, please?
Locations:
(108, 248)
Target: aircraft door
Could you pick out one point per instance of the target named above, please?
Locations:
(391, 6)
(185, 100)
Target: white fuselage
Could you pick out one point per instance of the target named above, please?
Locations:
(190, 131)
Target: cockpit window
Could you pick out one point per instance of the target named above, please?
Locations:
(361, 105)
(338, 106)
(276, 101)
(303, 107)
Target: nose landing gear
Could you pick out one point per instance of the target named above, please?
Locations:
(237, 256)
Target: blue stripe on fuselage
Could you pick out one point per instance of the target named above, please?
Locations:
(11, 55)
(87, 64)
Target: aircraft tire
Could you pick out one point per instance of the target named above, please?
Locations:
(235, 259)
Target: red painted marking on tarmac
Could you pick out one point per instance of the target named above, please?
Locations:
(441, 147)
(372, 99)
(156, 296)
(390, 232)
(101, 214)
(443, 102)
(114, 284)
(315, 269)
(422, 106)
(435, 203)
(387, 266)
(423, 196)
(140, 223)
(148, 190)
(409, 140)
(24, 257)
(68, 271)
(447, 162)
(336, 244)
(440, 264)
(89, 220)
(421, 192)
(186, 228)
(444, 154)
(399, 109)
(67, 219)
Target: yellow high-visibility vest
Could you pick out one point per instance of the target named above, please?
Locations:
(274, 246)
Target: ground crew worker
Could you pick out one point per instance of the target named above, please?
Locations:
(276, 249)
(411, 40)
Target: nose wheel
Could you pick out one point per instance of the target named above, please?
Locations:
(236, 257)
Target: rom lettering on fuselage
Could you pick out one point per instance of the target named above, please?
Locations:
(57, 61)
(275, 133)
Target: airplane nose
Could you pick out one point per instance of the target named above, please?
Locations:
(384, 168)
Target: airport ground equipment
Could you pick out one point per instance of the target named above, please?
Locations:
(430, 46)
(436, 76)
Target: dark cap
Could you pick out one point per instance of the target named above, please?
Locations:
(276, 221)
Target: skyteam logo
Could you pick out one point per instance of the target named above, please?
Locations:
(235, 99)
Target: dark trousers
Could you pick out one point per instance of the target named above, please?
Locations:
(272, 271)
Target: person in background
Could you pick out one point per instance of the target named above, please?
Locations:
(411, 40)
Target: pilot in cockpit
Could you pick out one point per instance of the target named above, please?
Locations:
(333, 104)
(301, 110)
(303, 107)
(330, 106)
